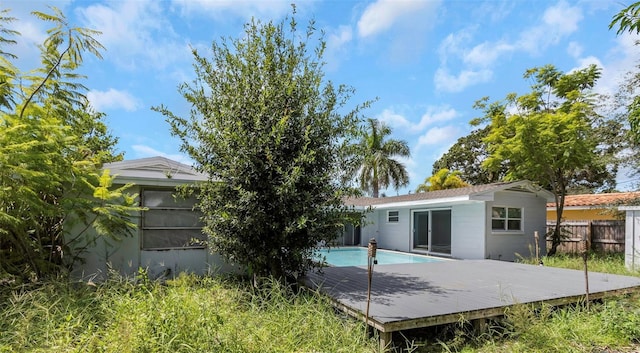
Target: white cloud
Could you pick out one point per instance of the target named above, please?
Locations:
(337, 39)
(453, 45)
(619, 60)
(143, 151)
(434, 115)
(393, 119)
(137, 34)
(446, 82)
(485, 54)
(575, 49)
(557, 22)
(562, 18)
(112, 99)
(494, 10)
(383, 14)
(438, 135)
(241, 8)
(431, 116)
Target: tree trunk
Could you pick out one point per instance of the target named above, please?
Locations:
(556, 237)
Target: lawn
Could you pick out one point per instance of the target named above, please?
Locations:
(223, 314)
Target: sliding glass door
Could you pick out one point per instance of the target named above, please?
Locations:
(432, 231)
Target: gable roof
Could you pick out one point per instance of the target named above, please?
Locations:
(470, 193)
(596, 200)
(154, 171)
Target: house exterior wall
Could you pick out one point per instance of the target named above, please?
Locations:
(504, 245)
(471, 233)
(394, 236)
(467, 237)
(632, 238)
(369, 228)
(467, 231)
(126, 257)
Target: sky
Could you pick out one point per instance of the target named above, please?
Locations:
(426, 62)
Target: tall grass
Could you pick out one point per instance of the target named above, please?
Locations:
(188, 314)
(596, 262)
(217, 314)
(610, 325)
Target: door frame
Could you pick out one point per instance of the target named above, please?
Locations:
(412, 247)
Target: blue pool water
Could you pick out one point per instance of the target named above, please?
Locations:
(356, 256)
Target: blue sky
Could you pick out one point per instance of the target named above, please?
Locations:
(427, 62)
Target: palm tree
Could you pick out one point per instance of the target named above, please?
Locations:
(376, 167)
(443, 179)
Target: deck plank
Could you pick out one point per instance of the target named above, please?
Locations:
(419, 295)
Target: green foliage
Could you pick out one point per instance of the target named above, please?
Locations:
(627, 20)
(375, 165)
(467, 156)
(51, 148)
(270, 134)
(442, 180)
(627, 99)
(551, 138)
(188, 314)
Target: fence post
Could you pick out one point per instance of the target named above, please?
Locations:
(589, 239)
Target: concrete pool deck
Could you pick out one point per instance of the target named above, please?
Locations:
(409, 296)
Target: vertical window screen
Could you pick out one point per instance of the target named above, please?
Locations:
(506, 218)
(170, 221)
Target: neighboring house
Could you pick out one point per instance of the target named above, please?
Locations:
(592, 206)
(494, 221)
(165, 241)
(632, 237)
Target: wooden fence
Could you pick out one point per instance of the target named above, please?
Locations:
(605, 236)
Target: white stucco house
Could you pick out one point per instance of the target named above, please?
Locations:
(632, 237)
(494, 221)
(164, 241)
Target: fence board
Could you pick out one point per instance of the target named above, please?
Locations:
(604, 235)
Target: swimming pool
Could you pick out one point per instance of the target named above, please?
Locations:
(357, 256)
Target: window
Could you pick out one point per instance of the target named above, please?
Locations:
(393, 216)
(506, 218)
(170, 221)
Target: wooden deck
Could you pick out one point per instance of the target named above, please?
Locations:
(409, 296)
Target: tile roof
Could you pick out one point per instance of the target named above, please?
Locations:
(441, 194)
(591, 200)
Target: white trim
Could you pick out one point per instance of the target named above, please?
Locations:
(421, 203)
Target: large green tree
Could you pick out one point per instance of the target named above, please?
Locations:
(442, 180)
(271, 134)
(52, 145)
(549, 138)
(466, 156)
(376, 165)
(627, 100)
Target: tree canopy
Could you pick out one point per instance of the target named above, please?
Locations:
(52, 145)
(627, 99)
(549, 138)
(271, 134)
(442, 180)
(377, 166)
(467, 156)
